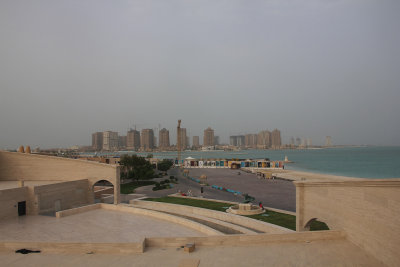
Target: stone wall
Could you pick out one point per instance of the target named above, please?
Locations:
(32, 167)
(69, 195)
(368, 210)
(9, 199)
(244, 240)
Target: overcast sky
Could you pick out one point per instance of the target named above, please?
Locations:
(309, 68)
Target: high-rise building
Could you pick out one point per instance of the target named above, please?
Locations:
(328, 141)
(216, 140)
(276, 139)
(303, 142)
(298, 141)
(110, 140)
(264, 139)
(292, 141)
(163, 138)
(97, 141)
(250, 140)
(240, 141)
(122, 141)
(309, 142)
(133, 139)
(196, 141)
(233, 140)
(208, 138)
(183, 141)
(147, 139)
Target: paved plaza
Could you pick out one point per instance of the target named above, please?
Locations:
(93, 226)
(279, 194)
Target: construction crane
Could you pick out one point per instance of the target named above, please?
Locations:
(178, 143)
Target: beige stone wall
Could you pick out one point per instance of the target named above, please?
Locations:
(244, 240)
(9, 199)
(75, 248)
(368, 210)
(31, 167)
(78, 210)
(69, 195)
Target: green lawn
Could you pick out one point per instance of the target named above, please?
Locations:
(192, 202)
(130, 187)
(281, 219)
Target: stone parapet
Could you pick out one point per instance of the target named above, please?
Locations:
(245, 240)
(368, 210)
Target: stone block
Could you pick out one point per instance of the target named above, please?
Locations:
(189, 247)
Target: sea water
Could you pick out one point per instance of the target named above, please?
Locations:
(363, 162)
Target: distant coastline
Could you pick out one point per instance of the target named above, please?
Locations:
(346, 161)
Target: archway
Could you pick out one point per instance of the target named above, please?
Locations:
(103, 192)
(315, 225)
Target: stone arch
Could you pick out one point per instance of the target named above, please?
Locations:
(103, 191)
(315, 223)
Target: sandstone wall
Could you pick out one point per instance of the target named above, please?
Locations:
(9, 199)
(69, 195)
(32, 167)
(368, 210)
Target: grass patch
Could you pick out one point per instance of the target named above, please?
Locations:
(281, 219)
(318, 226)
(211, 205)
(129, 188)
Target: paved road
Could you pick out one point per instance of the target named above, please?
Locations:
(278, 194)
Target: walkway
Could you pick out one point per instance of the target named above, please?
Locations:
(92, 226)
(277, 193)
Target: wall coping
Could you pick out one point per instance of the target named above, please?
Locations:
(246, 240)
(61, 159)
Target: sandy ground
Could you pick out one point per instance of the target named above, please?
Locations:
(301, 175)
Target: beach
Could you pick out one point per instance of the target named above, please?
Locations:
(302, 175)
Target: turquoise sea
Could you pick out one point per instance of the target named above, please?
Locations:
(365, 162)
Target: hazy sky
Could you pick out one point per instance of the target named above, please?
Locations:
(309, 68)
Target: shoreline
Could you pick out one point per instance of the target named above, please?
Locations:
(295, 175)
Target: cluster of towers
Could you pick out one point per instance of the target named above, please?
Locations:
(262, 140)
(145, 140)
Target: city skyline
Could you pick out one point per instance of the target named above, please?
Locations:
(311, 69)
(133, 140)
